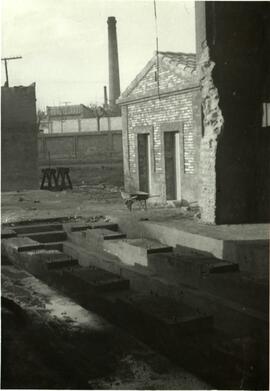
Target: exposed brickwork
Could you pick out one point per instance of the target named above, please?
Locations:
(213, 123)
(234, 62)
(19, 139)
(177, 108)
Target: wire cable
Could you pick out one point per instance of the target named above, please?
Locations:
(157, 58)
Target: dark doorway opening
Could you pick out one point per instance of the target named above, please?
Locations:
(143, 160)
(170, 165)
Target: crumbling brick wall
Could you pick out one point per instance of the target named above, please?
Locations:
(233, 40)
(19, 139)
(213, 123)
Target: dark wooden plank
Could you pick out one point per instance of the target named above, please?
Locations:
(170, 165)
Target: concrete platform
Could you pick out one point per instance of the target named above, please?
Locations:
(132, 251)
(54, 246)
(247, 245)
(238, 232)
(234, 317)
(45, 237)
(59, 260)
(7, 233)
(22, 244)
(170, 325)
(84, 227)
(167, 311)
(193, 264)
(34, 228)
(94, 279)
(32, 256)
(104, 234)
(210, 275)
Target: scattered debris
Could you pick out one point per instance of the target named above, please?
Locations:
(95, 219)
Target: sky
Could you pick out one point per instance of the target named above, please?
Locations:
(64, 43)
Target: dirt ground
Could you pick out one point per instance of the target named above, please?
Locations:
(83, 201)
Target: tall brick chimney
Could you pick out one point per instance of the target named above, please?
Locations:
(114, 82)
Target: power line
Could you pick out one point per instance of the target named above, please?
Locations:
(157, 58)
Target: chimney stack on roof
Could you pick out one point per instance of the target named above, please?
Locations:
(114, 82)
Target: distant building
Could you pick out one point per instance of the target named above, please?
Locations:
(77, 118)
(162, 128)
(69, 112)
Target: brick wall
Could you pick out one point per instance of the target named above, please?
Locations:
(181, 113)
(19, 139)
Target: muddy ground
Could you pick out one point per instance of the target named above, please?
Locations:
(48, 341)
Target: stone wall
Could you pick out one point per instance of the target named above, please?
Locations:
(180, 112)
(19, 139)
(233, 40)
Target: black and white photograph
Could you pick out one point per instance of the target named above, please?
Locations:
(135, 194)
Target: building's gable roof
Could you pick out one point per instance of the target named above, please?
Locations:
(180, 64)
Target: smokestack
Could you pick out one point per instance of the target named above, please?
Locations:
(114, 82)
(105, 98)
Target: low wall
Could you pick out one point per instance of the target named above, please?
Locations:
(81, 125)
(92, 147)
(93, 157)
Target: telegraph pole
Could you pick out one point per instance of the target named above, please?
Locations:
(6, 59)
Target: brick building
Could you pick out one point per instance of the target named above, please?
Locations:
(68, 118)
(19, 138)
(161, 120)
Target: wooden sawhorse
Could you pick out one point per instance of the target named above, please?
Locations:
(49, 174)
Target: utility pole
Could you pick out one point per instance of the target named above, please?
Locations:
(6, 59)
